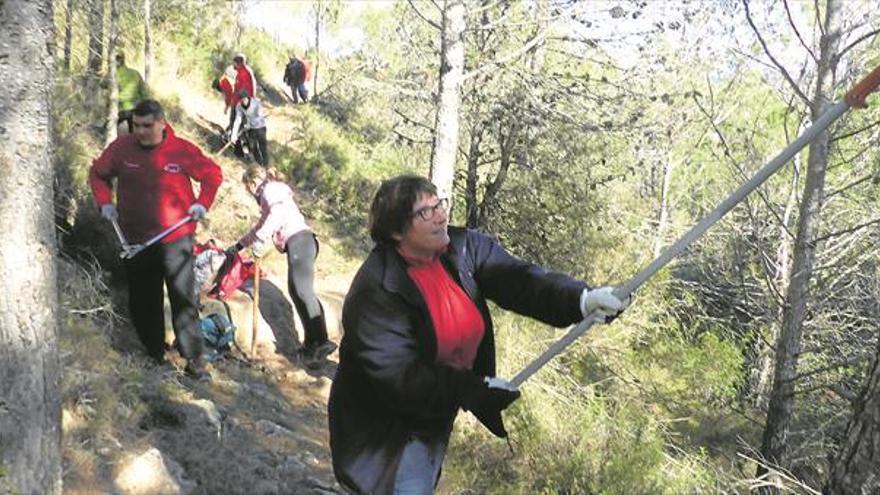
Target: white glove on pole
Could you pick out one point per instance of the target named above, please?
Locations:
(602, 300)
(108, 212)
(197, 211)
(259, 249)
(500, 383)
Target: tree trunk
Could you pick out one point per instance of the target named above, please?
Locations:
(855, 469)
(449, 98)
(148, 42)
(96, 37)
(113, 103)
(473, 162)
(762, 370)
(663, 215)
(316, 65)
(68, 34)
(30, 371)
(774, 446)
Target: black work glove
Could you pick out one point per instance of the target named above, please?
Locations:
(487, 401)
(232, 250)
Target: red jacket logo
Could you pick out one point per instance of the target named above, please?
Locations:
(172, 168)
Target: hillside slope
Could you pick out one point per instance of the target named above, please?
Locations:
(259, 427)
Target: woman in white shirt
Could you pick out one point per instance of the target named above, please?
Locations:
(282, 224)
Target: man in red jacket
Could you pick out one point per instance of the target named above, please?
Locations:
(153, 170)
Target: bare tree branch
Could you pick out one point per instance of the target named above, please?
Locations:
(418, 13)
(797, 33)
(785, 74)
(853, 133)
(510, 57)
(857, 41)
(848, 230)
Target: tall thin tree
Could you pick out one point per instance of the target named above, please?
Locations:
(148, 41)
(68, 34)
(446, 123)
(95, 13)
(113, 101)
(30, 404)
(775, 443)
(855, 469)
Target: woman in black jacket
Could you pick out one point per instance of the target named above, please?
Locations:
(419, 343)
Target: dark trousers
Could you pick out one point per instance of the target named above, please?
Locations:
(302, 250)
(258, 146)
(299, 92)
(149, 272)
(125, 116)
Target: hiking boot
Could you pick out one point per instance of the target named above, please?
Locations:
(196, 369)
(313, 355)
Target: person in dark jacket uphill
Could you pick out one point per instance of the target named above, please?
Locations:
(153, 170)
(419, 342)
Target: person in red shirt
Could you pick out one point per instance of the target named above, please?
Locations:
(225, 85)
(152, 170)
(244, 78)
(419, 342)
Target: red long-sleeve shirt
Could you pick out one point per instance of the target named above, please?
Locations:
(458, 325)
(244, 80)
(153, 186)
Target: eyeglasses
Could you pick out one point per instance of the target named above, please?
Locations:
(429, 212)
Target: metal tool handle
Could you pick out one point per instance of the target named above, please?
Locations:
(855, 98)
(119, 234)
(132, 250)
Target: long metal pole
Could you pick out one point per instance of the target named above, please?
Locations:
(855, 98)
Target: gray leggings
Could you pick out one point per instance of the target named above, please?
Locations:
(302, 249)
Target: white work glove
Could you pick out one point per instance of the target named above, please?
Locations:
(604, 301)
(197, 211)
(108, 212)
(259, 249)
(499, 383)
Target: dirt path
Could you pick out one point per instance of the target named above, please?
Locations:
(275, 407)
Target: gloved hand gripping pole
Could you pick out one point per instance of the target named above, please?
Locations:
(854, 99)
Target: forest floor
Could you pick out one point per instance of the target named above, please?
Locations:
(260, 426)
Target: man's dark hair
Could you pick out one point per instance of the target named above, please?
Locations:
(149, 107)
(120, 58)
(392, 206)
(238, 59)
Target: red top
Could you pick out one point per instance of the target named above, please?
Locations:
(153, 185)
(228, 95)
(457, 321)
(244, 79)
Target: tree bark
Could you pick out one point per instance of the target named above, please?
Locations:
(148, 42)
(774, 446)
(449, 99)
(855, 469)
(96, 37)
(473, 163)
(30, 407)
(663, 214)
(68, 34)
(113, 103)
(317, 64)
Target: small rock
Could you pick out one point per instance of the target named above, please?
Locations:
(308, 458)
(271, 429)
(150, 473)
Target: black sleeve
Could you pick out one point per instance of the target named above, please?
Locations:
(522, 287)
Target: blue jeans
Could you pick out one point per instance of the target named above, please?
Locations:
(420, 466)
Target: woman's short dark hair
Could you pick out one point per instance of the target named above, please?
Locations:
(149, 107)
(392, 206)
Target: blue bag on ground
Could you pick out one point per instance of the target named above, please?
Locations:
(219, 334)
